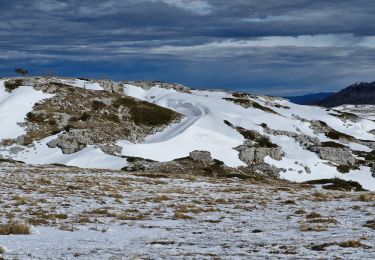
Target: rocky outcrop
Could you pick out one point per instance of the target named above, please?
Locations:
(111, 86)
(73, 142)
(339, 155)
(110, 149)
(303, 139)
(149, 84)
(201, 156)
(251, 154)
(370, 144)
(265, 170)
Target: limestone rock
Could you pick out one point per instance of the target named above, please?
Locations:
(250, 155)
(111, 149)
(70, 143)
(341, 156)
(202, 156)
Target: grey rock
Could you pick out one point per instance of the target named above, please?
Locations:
(111, 86)
(341, 156)
(70, 143)
(303, 139)
(111, 149)
(202, 156)
(266, 170)
(16, 149)
(250, 155)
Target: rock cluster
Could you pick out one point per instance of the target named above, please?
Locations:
(149, 84)
(75, 141)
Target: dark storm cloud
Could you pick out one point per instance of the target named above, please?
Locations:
(271, 46)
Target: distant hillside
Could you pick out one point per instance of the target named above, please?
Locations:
(310, 98)
(167, 128)
(357, 94)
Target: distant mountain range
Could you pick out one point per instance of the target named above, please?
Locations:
(357, 94)
(310, 98)
(361, 93)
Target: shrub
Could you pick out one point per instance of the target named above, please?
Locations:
(21, 71)
(151, 115)
(97, 105)
(338, 184)
(370, 224)
(14, 228)
(125, 102)
(247, 134)
(265, 109)
(265, 142)
(228, 123)
(85, 116)
(113, 118)
(332, 144)
(333, 134)
(346, 168)
(11, 85)
(35, 117)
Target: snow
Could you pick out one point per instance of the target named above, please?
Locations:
(90, 157)
(85, 84)
(296, 158)
(14, 106)
(202, 128)
(225, 214)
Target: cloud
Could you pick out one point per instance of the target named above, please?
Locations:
(195, 6)
(265, 46)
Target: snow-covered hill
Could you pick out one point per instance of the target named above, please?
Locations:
(300, 142)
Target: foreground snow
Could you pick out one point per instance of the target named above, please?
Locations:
(114, 215)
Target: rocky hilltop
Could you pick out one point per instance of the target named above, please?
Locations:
(157, 127)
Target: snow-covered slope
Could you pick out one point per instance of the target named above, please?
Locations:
(204, 127)
(13, 108)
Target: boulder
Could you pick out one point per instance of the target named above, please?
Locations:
(251, 155)
(201, 156)
(341, 156)
(111, 149)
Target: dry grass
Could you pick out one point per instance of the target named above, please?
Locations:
(178, 215)
(15, 228)
(352, 243)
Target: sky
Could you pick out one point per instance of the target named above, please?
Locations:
(259, 46)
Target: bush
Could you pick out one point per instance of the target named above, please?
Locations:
(333, 134)
(85, 116)
(14, 228)
(338, 184)
(151, 115)
(113, 118)
(332, 144)
(97, 105)
(11, 85)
